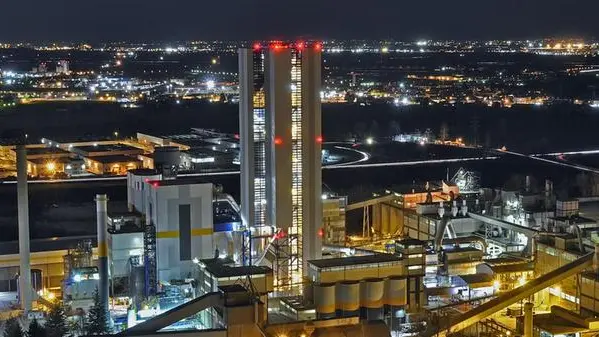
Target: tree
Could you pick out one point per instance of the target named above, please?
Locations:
(56, 325)
(12, 328)
(97, 317)
(474, 125)
(78, 324)
(360, 130)
(444, 132)
(374, 129)
(36, 330)
(394, 129)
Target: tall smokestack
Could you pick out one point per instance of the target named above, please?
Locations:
(25, 289)
(102, 219)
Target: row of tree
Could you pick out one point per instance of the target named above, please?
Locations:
(95, 323)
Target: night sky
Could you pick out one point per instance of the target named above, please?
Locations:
(144, 20)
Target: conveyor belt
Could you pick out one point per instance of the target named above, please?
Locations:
(506, 299)
(174, 315)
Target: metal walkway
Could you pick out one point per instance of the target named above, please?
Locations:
(503, 224)
(504, 300)
(370, 202)
(174, 315)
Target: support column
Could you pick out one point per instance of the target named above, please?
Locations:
(528, 324)
(102, 219)
(25, 289)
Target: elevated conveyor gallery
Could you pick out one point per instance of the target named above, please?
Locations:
(371, 202)
(503, 224)
(504, 300)
(174, 315)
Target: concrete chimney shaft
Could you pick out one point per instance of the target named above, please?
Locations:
(102, 220)
(25, 288)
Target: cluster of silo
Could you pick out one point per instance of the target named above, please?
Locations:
(367, 298)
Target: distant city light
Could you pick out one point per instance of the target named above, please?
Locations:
(210, 84)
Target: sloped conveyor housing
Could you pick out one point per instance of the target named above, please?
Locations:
(504, 300)
(175, 315)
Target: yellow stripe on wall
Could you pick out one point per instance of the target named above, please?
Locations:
(167, 235)
(201, 231)
(102, 249)
(175, 234)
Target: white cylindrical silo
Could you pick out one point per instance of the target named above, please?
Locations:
(372, 298)
(324, 299)
(396, 291)
(347, 298)
(372, 293)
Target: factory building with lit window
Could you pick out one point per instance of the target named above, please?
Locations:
(280, 136)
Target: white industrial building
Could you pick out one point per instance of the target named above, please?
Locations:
(181, 212)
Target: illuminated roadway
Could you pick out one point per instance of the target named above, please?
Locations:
(363, 163)
(564, 164)
(355, 164)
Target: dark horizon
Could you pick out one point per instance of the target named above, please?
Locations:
(152, 20)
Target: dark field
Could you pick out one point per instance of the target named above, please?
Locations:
(524, 129)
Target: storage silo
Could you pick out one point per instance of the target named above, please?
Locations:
(347, 298)
(372, 299)
(167, 160)
(324, 299)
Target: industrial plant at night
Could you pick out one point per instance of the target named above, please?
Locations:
(181, 247)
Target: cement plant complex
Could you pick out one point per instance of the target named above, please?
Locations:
(447, 257)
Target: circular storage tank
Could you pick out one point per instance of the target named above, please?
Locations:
(348, 297)
(324, 299)
(396, 290)
(372, 293)
(167, 160)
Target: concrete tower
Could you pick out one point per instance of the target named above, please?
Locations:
(25, 288)
(280, 132)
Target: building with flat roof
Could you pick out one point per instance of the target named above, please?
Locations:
(97, 150)
(354, 268)
(218, 272)
(112, 164)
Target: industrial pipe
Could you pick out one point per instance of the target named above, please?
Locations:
(102, 220)
(467, 239)
(528, 319)
(25, 289)
(578, 233)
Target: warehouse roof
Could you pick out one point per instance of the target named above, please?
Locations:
(354, 260)
(219, 268)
